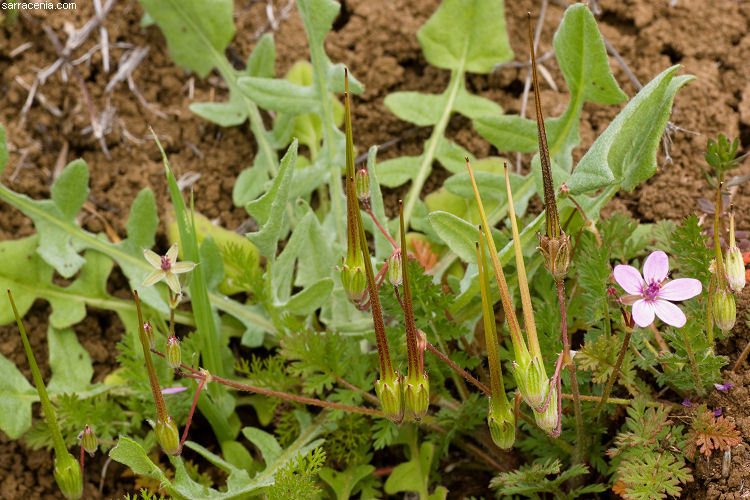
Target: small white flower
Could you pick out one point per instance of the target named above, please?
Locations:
(166, 268)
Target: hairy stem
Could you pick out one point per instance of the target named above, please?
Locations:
(445, 359)
(580, 434)
(615, 371)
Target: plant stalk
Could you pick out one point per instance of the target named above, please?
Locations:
(615, 371)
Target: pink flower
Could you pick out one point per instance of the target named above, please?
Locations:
(652, 296)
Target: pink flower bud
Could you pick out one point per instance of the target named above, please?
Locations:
(174, 357)
(88, 440)
(362, 184)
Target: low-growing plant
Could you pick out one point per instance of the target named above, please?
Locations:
(351, 351)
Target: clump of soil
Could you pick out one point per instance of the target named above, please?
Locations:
(377, 41)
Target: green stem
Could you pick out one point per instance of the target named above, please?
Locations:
(615, 372)
(693, 363)
(567, 358)
(456, 81)
(58, 442)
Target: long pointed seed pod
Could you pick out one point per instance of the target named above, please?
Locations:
(417, 389)
(554, 245)
(520, 350)
(500, 418)
(389, 387)
(165, 428)
(67, 470)
(352, 270)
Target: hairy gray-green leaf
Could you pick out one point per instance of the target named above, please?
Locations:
(281, 95)
(16, 396)
(625, 153)
(262, 60)
(196, 30)
(70, 363)
(414, 107)
(458, 234)
(583, 60)
(466, 35)
(269, 209)
(396, 171)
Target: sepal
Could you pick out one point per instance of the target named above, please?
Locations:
(390, 394)
(724, 310)
(417, 396)
(167, 436)
(502, 424)
(735, 269)
(556, 253)
(68, 477)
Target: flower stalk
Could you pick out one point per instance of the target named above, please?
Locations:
(417, 388)
(164, 427)
(500, 419)
(389, 386)
(67, 470)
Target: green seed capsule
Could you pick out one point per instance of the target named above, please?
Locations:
(556, 253)
(502, 424)
(547, 420)
(174, 357)
(149, 330)
(735, 269)
(355, 283)
(68, 477)
(417, 396)
(395, 275)
(724, 310)
(391, 398)
(532, 382)
(167, 436)
(88, 440)
(362, 184)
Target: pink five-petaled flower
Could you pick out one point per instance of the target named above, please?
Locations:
(166, 268)
(653, 295)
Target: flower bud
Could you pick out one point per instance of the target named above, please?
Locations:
(556, 253)
(391, 398)
(68, 477)
(394, 269)
(724, 310)
(88, 440)
(149, 334)
(547, 420)
(502, 424)
(735, 268)
(174, 357)
(532, 382)
(362, 184)
(417, 396)
(355, 283)
(167, 436)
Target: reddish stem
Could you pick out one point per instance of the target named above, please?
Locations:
(445, 359)
(201, 383)
(375, 220)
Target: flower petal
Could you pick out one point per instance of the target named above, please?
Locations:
(152, 258)
(173, 282)
(643, 313)
(629, 279)
(155, 276)
(669, 313)
(182, 267)
(172, 253)
(656, 267)
(680, 289)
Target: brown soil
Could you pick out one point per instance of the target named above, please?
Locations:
(377, 41)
